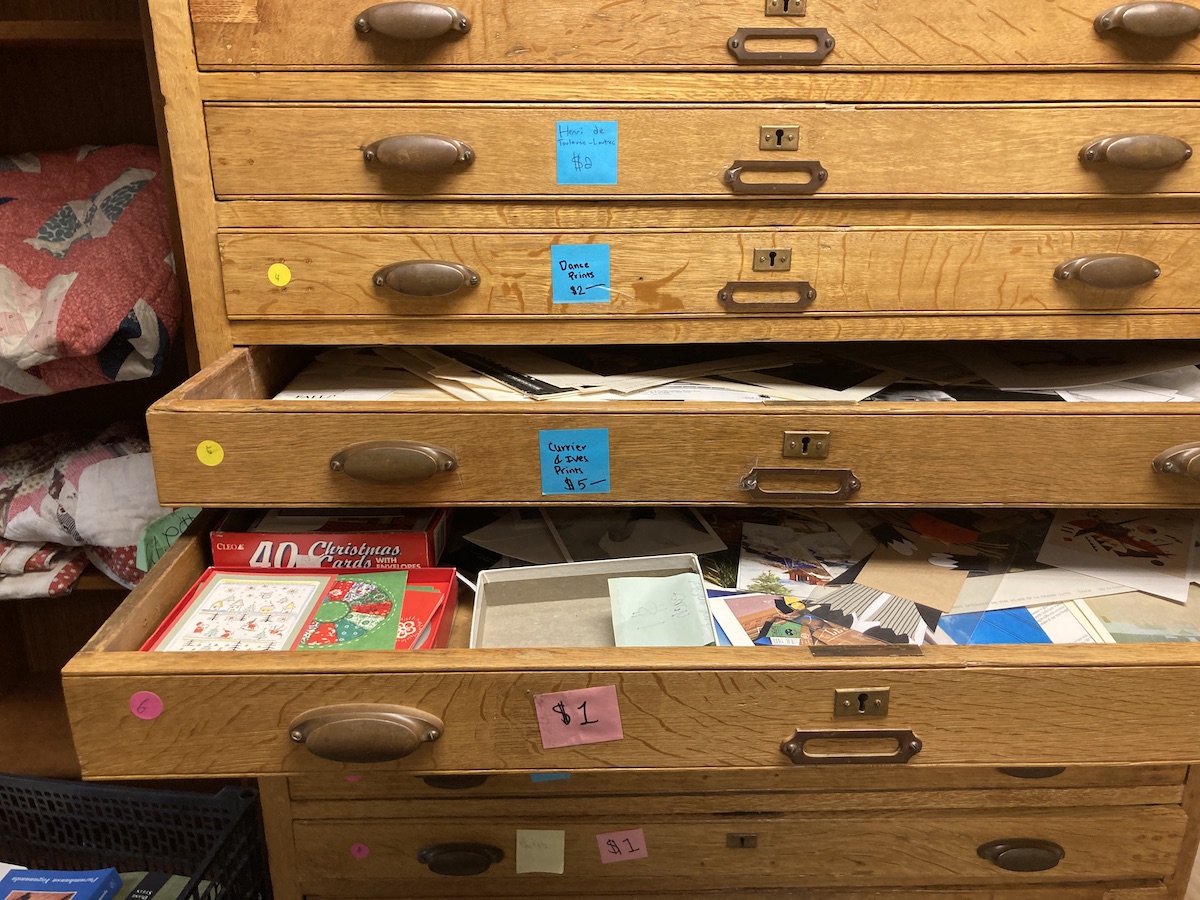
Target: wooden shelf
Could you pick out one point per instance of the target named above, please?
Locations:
(36, 731)
(70, 31)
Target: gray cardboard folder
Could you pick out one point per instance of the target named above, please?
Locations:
(562, 605)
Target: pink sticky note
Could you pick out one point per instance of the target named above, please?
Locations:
(619, 846)
(585, 716)
(146, 705)
(360, 851)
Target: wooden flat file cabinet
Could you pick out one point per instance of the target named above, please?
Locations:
(934, 171)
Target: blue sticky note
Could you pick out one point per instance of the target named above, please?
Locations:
(580, 273)
(587, 152)
(549, 776)
(574, 461)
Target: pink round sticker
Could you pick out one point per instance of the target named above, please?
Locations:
(359, 851)
(353, 778)
(146, 705)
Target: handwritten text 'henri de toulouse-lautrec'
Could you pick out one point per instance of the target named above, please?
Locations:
(584, 135)
(569, 460)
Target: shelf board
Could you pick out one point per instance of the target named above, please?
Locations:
(70, 31)
(35, 733)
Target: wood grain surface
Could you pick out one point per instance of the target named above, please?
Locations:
(683, 151)
(573, 33)
(843, 850)
(680, 273)
(1023, 453)
(794, 783)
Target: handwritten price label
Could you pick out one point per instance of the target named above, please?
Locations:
(586, 152)
(621, 846)
(146, 705)
(575, 461)
(210, 453)
(580, 273)
(584, 716)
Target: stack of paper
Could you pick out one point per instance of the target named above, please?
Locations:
(964, 577)
(1009, 371)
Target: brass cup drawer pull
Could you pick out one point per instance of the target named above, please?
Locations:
(412, 21)
(822, 40)
(426, 277)
(392, 462)
(848, 484)
(459, 859)
(805, 295)
(817, 176)
(1109, 271)
(1183, 459)
(1156, 19)
(795, 748)
(364, 732)
(1023, 854)
(420, 153)
(1142, 152)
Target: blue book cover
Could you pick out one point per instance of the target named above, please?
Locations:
(34, 884)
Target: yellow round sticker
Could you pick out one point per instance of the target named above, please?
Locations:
(210, 453)
(279, 274)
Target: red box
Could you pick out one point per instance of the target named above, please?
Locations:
(338, 539)
(439, 625)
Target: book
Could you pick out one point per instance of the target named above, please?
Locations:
(54, 884)
(309, 611)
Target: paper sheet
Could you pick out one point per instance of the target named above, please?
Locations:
(661, 612)
(1146, 551)
(540, 851)
(1031, 588)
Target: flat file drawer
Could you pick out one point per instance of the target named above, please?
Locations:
(512, 150)
(234, 713)
(278, 453)
(851, 271)
(260, 34)
(790, 786)
(917, 848)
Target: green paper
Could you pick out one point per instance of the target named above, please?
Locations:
(661, 612)
(357, 631)
(159, 535)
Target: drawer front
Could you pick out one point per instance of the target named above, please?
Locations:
(713, 708)
(573, 33)
(797, 782)
(526, 151)
(684, 274)
(920, 849)
(279, 453)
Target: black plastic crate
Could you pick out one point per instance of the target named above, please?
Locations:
(215, 840)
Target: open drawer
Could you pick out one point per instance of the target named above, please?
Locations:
(149, 714)
(220, 440)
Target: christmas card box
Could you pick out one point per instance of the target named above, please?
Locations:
(311, 610)
(322, 538)
(34, 884)
(560, 605)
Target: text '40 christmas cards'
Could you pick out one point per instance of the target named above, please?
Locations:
(298, 610)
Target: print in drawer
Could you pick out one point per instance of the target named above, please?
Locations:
(786, 272)
(708, 33)
(502, 150)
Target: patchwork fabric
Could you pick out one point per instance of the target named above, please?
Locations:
(88, 293)
(65, 499)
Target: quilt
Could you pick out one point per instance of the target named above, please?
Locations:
(88, 293)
